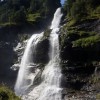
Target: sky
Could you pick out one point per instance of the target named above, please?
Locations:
(62, 1)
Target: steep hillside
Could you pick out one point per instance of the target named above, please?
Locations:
(80, 48)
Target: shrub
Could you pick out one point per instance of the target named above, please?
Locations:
(33, 17)
(97, 10)
(86, 42)
(7, 94)
(78, 10)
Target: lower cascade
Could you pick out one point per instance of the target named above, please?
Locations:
(49, 88)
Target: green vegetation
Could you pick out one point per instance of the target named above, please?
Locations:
(7, 94)
(86, 42)
(78, 37)
(79, 33)
(33, 17)
(22, 11)
(80, 10)
(80, 15)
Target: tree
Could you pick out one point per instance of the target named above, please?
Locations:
(78, 10)
(68, 5)
(34, 6)
(19, 9)
(50, 6)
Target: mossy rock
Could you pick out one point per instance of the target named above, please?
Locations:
(47, 32)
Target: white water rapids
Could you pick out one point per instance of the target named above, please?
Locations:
(49, 88)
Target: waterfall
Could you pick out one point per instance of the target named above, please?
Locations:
(49, 89)
(25, 77)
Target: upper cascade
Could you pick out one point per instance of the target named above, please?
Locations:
(57, 19)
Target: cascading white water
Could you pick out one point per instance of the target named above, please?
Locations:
(49, 89)
(25, 77)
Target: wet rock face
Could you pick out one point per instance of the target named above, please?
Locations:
(7, 55)
(79, 63)
(41, 55)
(8, 41)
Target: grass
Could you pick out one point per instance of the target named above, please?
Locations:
(81, 33)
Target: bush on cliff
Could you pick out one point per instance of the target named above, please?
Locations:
(86, 42)
(7, 94)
